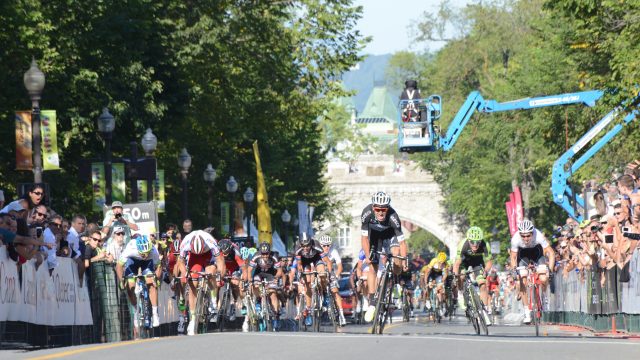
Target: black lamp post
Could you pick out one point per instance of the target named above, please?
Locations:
(209, 178)
(232, 187)
(286, 218)
(149, 144)
(106, 125)
(34, 81)
(248, 200)
(184, 162)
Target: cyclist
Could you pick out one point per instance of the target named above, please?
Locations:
(334, 257)
(493, 283)
(173, 254)
(434, 276)
(235, 269)
(381, 232)
(310, 255)
(362, 273)
(473, 252)
(140, 256)
(265, 265)
(529, 245)
(199, 252)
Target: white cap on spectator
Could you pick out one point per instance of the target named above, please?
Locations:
(616, 202)
(604, 219)
(593, 213)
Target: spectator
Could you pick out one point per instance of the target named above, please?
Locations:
(16, 208)
(94, 250)
(52, 235)
(115, 244)
(38, 216)
(116, 217)
(187, 227)
(35, 196)
(78, 224)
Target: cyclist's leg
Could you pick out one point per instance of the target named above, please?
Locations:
(523, 272)
(394, 249)
(150, 278)
(440, 289)
(131, 268)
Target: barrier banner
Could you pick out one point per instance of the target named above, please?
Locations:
(50, 158)
(10, 294)
(29, 292)
(631, 289)
(24, 149)
(594, 290)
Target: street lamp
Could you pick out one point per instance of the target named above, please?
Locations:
(232, 187)
(149, 144)
(248, 200)
(209, 178)
(34, 81)
(286, 218)
(184, 162)
(106, 124)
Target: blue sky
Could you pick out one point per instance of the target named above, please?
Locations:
(388, 22)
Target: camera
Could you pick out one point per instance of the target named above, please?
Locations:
(118, 216)
(626, 232)
(38, 231)
(608, 238)
(596, 228)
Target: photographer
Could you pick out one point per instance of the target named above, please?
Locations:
(116, 217)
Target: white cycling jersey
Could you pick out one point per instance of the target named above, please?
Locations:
(335, 256)
(538, 239)
(209, 241)
(131, 251)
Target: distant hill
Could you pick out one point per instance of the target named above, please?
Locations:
(363, 77)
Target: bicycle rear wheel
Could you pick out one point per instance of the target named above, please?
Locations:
(317, 311)
(406, 306)
(224, 307)
(386, 306)
(333, 312)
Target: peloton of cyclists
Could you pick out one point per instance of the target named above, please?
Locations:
(334, 258)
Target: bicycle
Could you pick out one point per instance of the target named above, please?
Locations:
(384, 295)
(535, 295)
(406, 304)
(436, 305)
(475, 308)
(203, 299)
(224, 296)
(250, 304)
(450, 301)
(317, 302)
(143, 307)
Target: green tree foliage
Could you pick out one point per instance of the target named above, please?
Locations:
(421, 241)
(211, 76)
(509, 50)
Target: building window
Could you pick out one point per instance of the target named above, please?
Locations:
(344, 237)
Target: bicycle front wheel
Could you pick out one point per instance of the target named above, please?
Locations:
(202, 299)
(380, 299)
(537, 309)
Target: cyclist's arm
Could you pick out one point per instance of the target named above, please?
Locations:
(364, 233)
(456, 265)
(326, 260)
(221, 265)
(513, 258)
(338, 262)
(551, 255)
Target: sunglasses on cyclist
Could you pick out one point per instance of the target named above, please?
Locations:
(475, 242)
(380, 209)
(526, 235)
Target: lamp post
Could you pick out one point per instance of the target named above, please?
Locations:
(232, 187)
(286, 218)
(248, 200)
(106, 125)
(34, 81)
(149, 144)
(184, 162)
(209, 178)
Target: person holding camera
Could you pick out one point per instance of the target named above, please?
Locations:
(116, 217)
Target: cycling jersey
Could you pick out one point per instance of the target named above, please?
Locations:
(265, 264)
(383, 235)
(133, 261)
(233, 261)
(209, 242)
(531, 252)
(310, 256)
(471, 258)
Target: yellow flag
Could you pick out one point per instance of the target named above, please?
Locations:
(264, 216)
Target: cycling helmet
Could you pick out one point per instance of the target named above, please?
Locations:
(265, 248)
(252, 251)
(197, 245)
(225, 246)
(525, 226)
(305, 240)
(442, 257)
(380, 199)
(176, 243)
(325, 240)
(475, 234)
(143, 244)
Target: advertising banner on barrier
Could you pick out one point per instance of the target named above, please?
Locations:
(29, 292)
(594, 290)
(82, 301)
(631, 289)
(10, 294)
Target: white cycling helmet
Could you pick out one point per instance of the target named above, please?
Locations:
(325, 240)
(380, 199)
(525, 226)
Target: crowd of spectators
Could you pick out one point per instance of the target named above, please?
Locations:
(608, 237)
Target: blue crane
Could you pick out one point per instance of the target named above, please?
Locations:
(427, 138)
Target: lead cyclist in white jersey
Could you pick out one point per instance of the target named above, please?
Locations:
(529, 245)
(334, 256)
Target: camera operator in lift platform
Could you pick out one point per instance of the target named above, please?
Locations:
(115, 217)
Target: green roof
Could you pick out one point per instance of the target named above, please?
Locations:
(380, 105)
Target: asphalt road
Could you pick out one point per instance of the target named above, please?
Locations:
(416, 339)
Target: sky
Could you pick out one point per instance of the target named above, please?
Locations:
(388, 21)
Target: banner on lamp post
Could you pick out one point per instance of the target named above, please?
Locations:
(98, 186)
(224, 217)
(49, 133)
(24, 150)
(510, 217)
(158, 190)
(519, 209)
(118, 183)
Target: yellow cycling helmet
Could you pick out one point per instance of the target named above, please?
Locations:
(442, 257)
